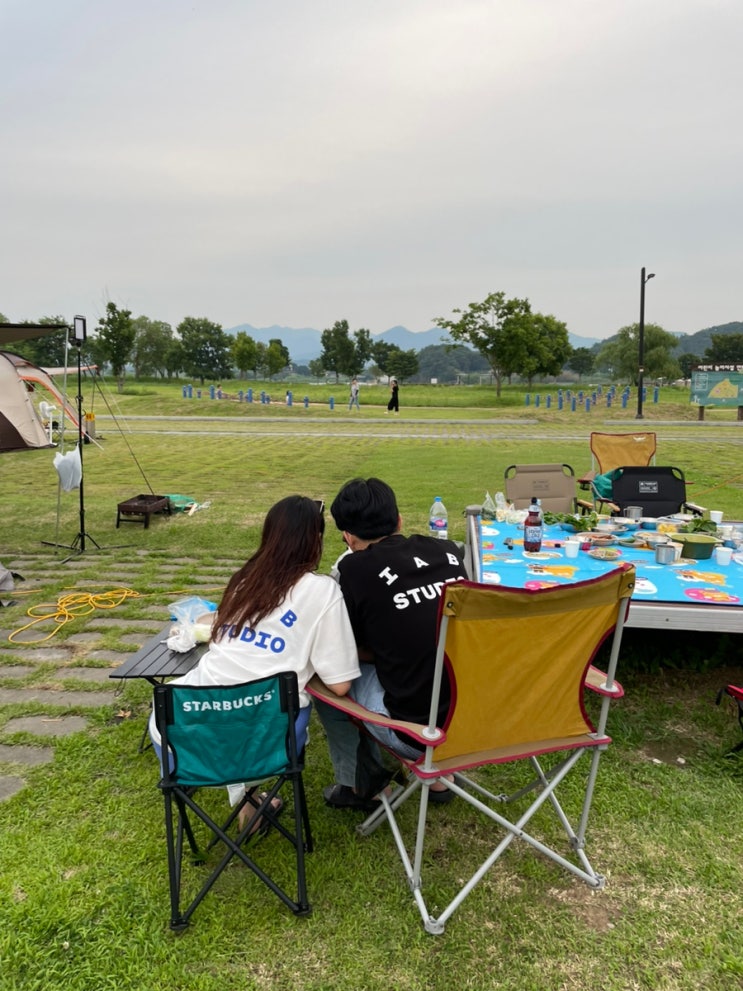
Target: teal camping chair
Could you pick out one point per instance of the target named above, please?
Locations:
(225, 735)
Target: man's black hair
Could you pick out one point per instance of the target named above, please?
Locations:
(367, 508)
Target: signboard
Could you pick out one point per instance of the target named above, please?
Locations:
(717, 388)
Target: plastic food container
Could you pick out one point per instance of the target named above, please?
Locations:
(698, 546)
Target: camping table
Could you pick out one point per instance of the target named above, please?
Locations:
(154, 661)
(693, 595)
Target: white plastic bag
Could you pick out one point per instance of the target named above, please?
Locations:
(193, 622)
(69, 468)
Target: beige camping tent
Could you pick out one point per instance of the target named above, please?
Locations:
(20, 426)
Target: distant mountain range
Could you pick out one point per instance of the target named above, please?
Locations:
(696, 343)
(304, 343)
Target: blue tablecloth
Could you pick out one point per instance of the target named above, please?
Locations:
(703, 582)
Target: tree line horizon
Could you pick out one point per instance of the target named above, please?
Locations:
(498, 336)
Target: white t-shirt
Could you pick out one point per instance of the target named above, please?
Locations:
(309, 633)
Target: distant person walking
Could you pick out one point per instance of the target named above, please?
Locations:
(394, 404)
(353, 399)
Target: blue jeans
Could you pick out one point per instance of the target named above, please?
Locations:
(343, 734)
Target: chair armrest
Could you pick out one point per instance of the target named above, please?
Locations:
(692, 507)
(418, 731)
(585, 479)
(595, 679)
(585, 505)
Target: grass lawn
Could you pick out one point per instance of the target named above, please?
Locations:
(83, 876)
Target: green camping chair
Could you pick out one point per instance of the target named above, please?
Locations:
(225, 735)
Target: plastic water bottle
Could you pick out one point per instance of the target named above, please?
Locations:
(533, 528)
(438, 520)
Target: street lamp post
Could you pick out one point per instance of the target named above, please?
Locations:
(641, 342)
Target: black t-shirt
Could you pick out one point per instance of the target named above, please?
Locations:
(392, 592)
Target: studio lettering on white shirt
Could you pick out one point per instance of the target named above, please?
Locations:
(259, 638)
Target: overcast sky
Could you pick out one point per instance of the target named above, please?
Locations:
(298, 162)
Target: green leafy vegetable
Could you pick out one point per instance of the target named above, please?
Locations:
(581, 523)
(698, 525)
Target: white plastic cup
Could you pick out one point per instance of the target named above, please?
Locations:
(723, 555)
(571, 548)
(716, 516)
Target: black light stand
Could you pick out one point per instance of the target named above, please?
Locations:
(641, 344)
(77, 337)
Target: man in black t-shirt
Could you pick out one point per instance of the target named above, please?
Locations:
(391, 585)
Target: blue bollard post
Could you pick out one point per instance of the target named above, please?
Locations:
(240, 396)
(198, 393)
(190, 392)
(608, 400)
(185, 392)
(549, 401)
(572, 405)
(656, 394)
(588, 404)
(559, 400)
(331, 403)
(536, 401)
(527, 399)
(250, 396)
(212, 392)
(624, 400)
(306, 402)
(263, 397)
(288, 397)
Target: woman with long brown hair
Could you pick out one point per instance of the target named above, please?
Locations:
(277, 614)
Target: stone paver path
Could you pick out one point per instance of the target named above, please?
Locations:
(69, 673)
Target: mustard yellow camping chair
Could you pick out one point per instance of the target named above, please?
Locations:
(611, 451)
(519, 662)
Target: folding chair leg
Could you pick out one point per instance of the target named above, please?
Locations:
(178, 825)
(175, 855)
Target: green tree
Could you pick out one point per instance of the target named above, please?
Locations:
(687, 362)
(497, 328)
(362, 351)
(621, 354)
(277, 357)
(581, 361)
(337, 349)
(115, 338)
(206, 349)
(152, 339)
(725, 349)
(175, 357)
(244, 353)
(380, 355)
(317, 369)
(403, 364)
(261, 359)
(545, 347)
